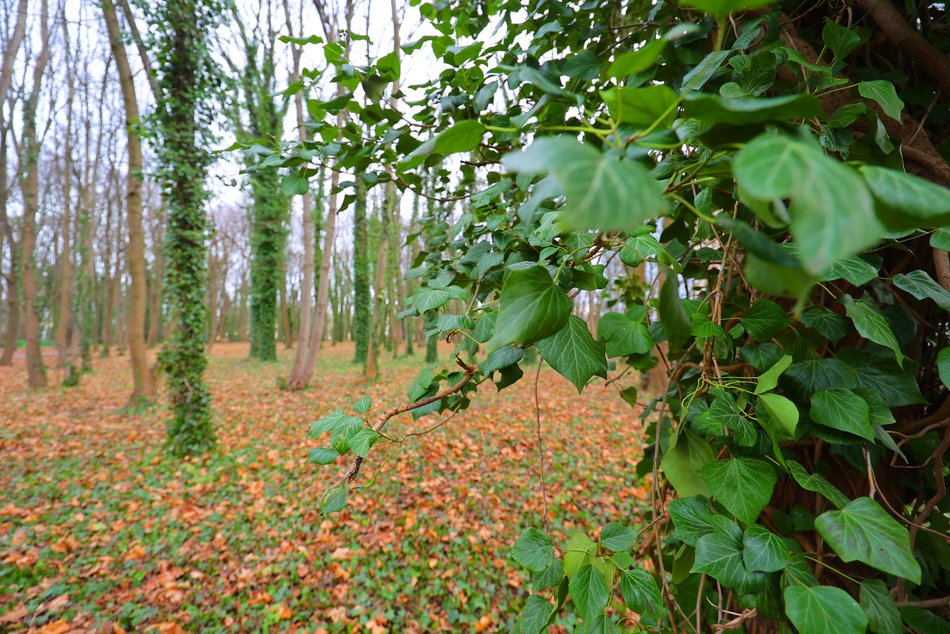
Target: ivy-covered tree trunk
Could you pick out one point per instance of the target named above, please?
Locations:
(11, 276)
(185, 79)
(362, 312)
(268, 238)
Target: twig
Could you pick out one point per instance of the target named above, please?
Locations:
(470, 371)
(537, 416)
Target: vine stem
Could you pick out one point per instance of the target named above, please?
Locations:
(537, 417)
(469, 371)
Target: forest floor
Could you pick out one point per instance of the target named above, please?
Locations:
(101, 531)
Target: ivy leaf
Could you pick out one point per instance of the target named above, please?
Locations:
(883, 93)
(577, 552)
(879, 607)
(943, 366)
(871, 324)
(623, 335)
(763, 550)
(323, 455)
(676, 320)
(711, 109)
(910, 194)
(725, 411)
(636, 61)
(844, 410)
(362, 441)
(829, 324)
(683, 462)
(719, 555)
(294, 184)
(839, 39)
(464, 136)
(921, 285)
(690, 518)
(768, 380)
(617, 537)
(532, 307)
(640, 592)
(549, 577)
(362, 406)
(425, 298)
(823, 610)
(535, 614)
(764, 320)
(816, 483)
(589, 591)
(574, 353)
(853, 269)
(534, 550)
(863, 531)
(501, 358)
(773, 166)
(743, 485)
(641, 107)
(722, 8)
(602, 193)
(782, 411)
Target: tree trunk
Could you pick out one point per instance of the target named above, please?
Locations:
(29, 183)
(143, 383)
(13, 305)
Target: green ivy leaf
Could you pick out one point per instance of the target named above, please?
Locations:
(323, 455)
(534, 550)
(722, 8)
(577, 552)
(782, 411)
(768, 380)
(763, 550)
(908, 193)
(589, 591)
(334, 501)
(883, 93)
(871, 324)
(362, 406)
(676, 320)
(501, 358)
(690, 518)
(602, 193)
(641, 107)
(617, 537)
(828, 323)
(425, 298)
(844, 410)
(532, 307)
(683, 462)
(623, 335)
(636, 61)
(764, 320)
(712, 109)
(943, 366)
(719, 554)
(816, 483)
(294, 184)
(535, 614)
(773, 166)
(839, 39)
(824, 610)
(362, 441)
(743, 485)
(640, 592)
(853, 269)
(550, 577)
(863, 531)
(922, 286)
(879, 607)
(725, 411)
(464, 136)
(574, 353)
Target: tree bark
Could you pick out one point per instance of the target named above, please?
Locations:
(64, 324)
(29, 183)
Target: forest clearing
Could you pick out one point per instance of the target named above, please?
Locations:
(522, 316)
(100, 529)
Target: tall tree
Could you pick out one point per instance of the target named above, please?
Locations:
(185, 78)
(300, 376)
(143, 384)
(29, 184)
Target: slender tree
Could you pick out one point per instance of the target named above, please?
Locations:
(143, 384)
(29, 184)
(185, 78)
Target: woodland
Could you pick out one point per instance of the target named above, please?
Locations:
(523, 316)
